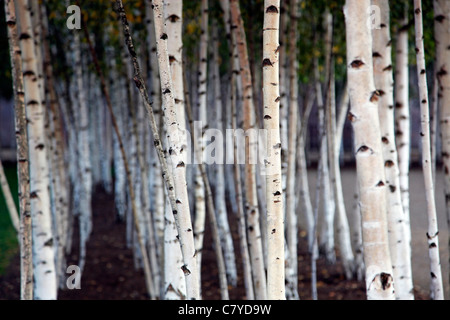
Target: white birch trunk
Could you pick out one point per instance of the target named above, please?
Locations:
(442, 35)
(181, 210)
(271, 97)
(436, 286)
(291, 215)
(158, 194)
(222, 214)
(402, 114)
(304, 205)
(251, 205)
(326, 235)
(174, 282)
(45, 286)
(23, 173)
(202, 87)
(398, 240)
(84, 160)
(369, 158)
(342, 227)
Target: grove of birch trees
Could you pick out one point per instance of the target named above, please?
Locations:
(229, 121)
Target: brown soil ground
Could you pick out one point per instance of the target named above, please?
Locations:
(110, 273)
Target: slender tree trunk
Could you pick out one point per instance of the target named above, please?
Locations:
(202, 87)
(43, 255)
(369, 159)
(437, 292)
(180, 207)
(222, 214)
(402, 117)
(247, 269)
(85, 212)
(399, 246)
(274, 194)
(343, 230)
(23, 173)
(210, 208)
(291, 215)
(58, 155)
(285, 28)
(326, 236)
(251, 205)
(326, 240)
(304, 205)
(442, 35)
(174, 21)
(158, 194)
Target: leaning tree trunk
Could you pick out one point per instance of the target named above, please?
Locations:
(274, 194)
(158, 194)
(382, 65)
(437, 292)
(251, 205)
(45, 286)
(343, 230)
(369, 158)
(23, 173)
(180, 208)
(442, 34)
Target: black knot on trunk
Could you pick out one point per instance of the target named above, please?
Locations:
(380, 184)
(385, 279)
(440, 18)
(356, 64)
(271, 9)
(173, 18)
(266, 63)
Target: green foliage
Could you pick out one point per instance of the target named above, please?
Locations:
(8, 240)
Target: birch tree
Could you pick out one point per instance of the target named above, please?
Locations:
(202, 87)
(436, 285)
(45, 284)
(291, 215)
(222, 214)
(442, 35)
(23, 173)
(369, 158)
(326, 241)
(398, 240)
(271, 91)
(155, 93)
(175, 182)
(343, 230)
(402, 116)
(251, 204)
